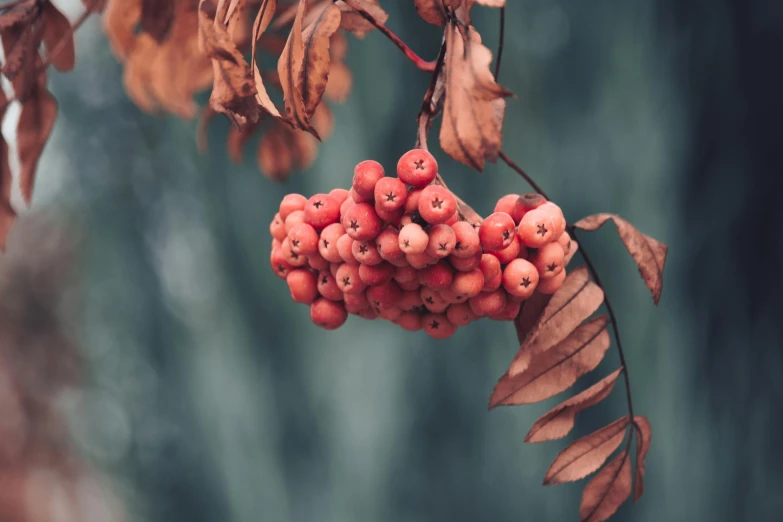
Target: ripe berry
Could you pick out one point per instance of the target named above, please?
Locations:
(412, 201)
(411, 285)
(340, 194)
(558, 219)
(497, 231)
(327, 286)
(348, 280)
(390, 194)
(365, 175)
(302, 285)
(355, 303)
(432, 300)
(293, 219)
(277, 228)
(388, 243)
(322, 210)
(345, 205)
(438, 326)
(290, 203)
(390, 314)
(506, 204)
(366, 252)
(460, 314)
(520, 278)
(327, 314)
(510, 252)
(317, 262)
(417, 168)
(420, 261)
(375, 275)
(536, 229)
(406, 274)
(393, 217)
(553, 284)
(327, 245)
(383, 296)
(468, 242)
(565, 241)
(357, 198)
(345, 248)
(453, 219)
(361, 222)
(468, 284)
(442, 241)
(290, 256)
(490, 266)
(488, 303)
(438, 276)
(525, 203)
(549, 260)
(437, 204)
(465, 264)
(303, 239)
(509, 312)
(413, 239)
(451, 297)
(410, 299)
(410, 321)
(279, 264)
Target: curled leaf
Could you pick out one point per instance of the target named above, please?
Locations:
(528, 317)
(607, 490)
(119, 24)
(431, 11)
(557, 369)
(558, 422)
(355, 23)
(649, 254)
(283, 149)
(585, 455)
(7, 213)
(157, 18)
(571, 252)
(58, 38)
(265, 14)
(36, 121)
(644, 434)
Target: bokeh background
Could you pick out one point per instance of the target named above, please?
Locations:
(188, 387)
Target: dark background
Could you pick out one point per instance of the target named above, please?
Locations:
(209, 396)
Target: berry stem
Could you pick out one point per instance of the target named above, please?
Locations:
(500, 42)
(418, 61)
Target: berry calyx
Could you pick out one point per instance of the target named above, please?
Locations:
(417, 168)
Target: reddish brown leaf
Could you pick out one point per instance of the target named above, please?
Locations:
(202, 128)
(21, 45)
(137, 76)
(491, 3)
(58, 39)
(17, 14)
(119, 24)
(355, 23)
(97, 6)
(431, 11)
(585, 455)
(571, 253)
(7, 213)
(157, 18)
(233, 91)
(607, 490)
(558, 368)
(35, 125)
(528, 317)
(237, 139)
(644, 434)
(649, 254)
(283, 149)
(265, 13)
(558, 422)
(471, 131)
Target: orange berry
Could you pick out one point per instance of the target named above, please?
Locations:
(510, 252)
(362, 222)
(432, 300)
(340, 194)
(548, 260)
(366, 252)
(277, 228)
(465, 264)
(497, 231)
(413, 239)
(468, 242)
(348, 279)
(293, 219)
(327, 314)
(290, 203)
(327, 286)
(468, 284)
(412, 201)
(536, 229)
(417, 168)
(460, 314)
(525, 203)
(565, 241)
(302, 285)
(509, 312)
(303, 239)
(390, 194)
(520, 278)
(506, 204)
(322, 210)
(558, 219)
(365, 175)
(388, 243)
(442, 241)
(438, 326)
(345, 248)
(292, 257)
(327, 245)
(488, 303)
(553, 284)
(437, 204)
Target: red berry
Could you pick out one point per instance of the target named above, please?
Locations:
(453, 219)
(412, 201)
(327, 245)
(390, 314)
(406, 274)
(468, 284)
(383, 296)
(465, 264)
(548, 260)
(488, 303)
(392, 217)
(410, 321)
(411, 285)
(417, 168)
(490, 266)
(304, 239)
(506, 204)
(317, 262)
(390, 194)
(365, 175)
(366, 252)
(389, 244)
(468, 243)
(340, 194)
(510, 252)
(442, 241)
(290, 203)
(520, 278)
(448, 295)
(460, 314)
(551, 285)
(565, 241)
(357, 198)
(509, 312)
(279, 264)
(437, 204)
(345, 248)
(302, 285)
(368, 313)
(277, 228)
(356, 303)
(413, 239)
(361, 222)
(556, 214)
(329, 315)
(322, 210)
(348, 280)
(432, 300)
(399, 262)
(410, 299)
(497, 231)
(437, 276)
(293, 219)
(327, 286)
(375, 275)
(348, 203)
(438, 326)
(420, 261)
(525, 203)
(536, 229)
(290, 256)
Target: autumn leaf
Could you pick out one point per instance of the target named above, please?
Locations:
(119, 24)
(607, 490)
(528, 317)
(97, 6)
(282, 149)
(7, 213)
(157, 18)
(585, 455)
(644, 434)
(491, 3)
(233, 91)
(571, 253)
(558, 422)
(649, 254)
(355, 23)
(431, 11)
(266, 12)
(17, 14)
(36, 121)
(556, 369)
(340, 78)
(137, 77)
(471, 131)
(58, 38)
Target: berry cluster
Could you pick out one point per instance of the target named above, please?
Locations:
(398, 249)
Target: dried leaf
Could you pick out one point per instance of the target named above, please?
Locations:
(471, 131)
(21, 55)
(558, 422)
(36, 121)
(7, 213)
(265, 13)
(340, 82)
(555, 370)
(355, 23)
(607, 490)
(58, 38)
(571, 253)
(528, 317)
(233, 91)
(237, 139)
(137, 76)
(491, 3)
(585, 455)
(97, 6)
(644, 434)
(649, 254)
(202, 128)
(157, 18)
(282, 149)
(119, 24)
(431, 11)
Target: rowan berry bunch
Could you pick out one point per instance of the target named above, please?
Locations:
(397, 248)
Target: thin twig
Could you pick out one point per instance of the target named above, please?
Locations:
(502, 39)
(522, 173)
(428, 108)
(417, 60)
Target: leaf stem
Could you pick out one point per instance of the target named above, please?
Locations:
(418, 61)
(501, 41)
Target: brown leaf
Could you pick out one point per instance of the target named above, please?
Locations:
(282, 149)
(607, 490)
(7, 213)
(558, 368)
(571, 253)
(431, 11)
(644, 434)
(137, 76)
(202, 128)
(36, 121)
(58, 38)
(265, 13)
(119, 24)
(237, 139)
(17, 14)
(355, 23)
(585, 455)
(471, 131)
(22, 59)
(558, 422)
(157, 18)
(529, 313)
(97, 6)
(491, 3)
(649, 254)
(233, 91)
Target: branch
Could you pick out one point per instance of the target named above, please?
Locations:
(500, 43)
(522, 173)
(415, 58)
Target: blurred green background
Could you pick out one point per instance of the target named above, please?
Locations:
(209, 396)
